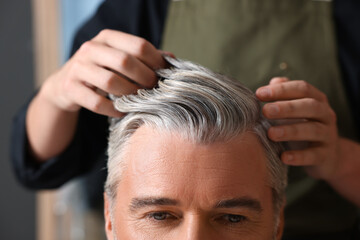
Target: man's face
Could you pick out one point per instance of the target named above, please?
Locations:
(174, 189)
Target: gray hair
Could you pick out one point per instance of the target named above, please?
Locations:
(203, 107)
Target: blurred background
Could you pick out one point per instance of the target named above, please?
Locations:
(35, 39)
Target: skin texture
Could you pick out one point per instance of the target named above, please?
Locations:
(328, 157)
(181, 190)
(112, 62)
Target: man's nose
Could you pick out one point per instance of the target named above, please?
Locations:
(196, 227)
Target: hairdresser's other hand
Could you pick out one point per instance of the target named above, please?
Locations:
(112, 62)
(300, 100)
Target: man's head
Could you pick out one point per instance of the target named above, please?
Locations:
(191, 160)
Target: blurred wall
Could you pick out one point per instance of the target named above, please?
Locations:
(17, 205)
(73, 15)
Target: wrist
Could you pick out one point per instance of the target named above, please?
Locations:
(44, 121)
(51, 94)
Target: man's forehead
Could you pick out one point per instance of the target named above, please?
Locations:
(152, 138)
(159, 161)
(151, 143)
(152, 146)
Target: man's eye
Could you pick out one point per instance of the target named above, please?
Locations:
(232, 218)
(235, 218)
(160, 216)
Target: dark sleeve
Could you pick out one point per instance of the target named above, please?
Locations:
(139, 17)
(347, 20)
(86, 148)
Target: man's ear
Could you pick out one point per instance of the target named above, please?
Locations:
(281, 225)
(107, 214)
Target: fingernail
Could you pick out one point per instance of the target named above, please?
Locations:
(169, 54)
(273, 109)
(264, 92)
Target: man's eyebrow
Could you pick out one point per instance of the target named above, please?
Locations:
(242, 202)
(137, 203)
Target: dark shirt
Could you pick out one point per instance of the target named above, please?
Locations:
(347, 22)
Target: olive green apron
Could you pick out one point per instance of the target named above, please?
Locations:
(255, 40)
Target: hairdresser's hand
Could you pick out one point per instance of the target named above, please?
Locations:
(112, 62)
(300, 100)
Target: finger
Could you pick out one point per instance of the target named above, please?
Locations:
(133, 45)
(307, 108)
(290, 90)
(264, 91)
(313, 159)
(106, 80)
(121, 63)
(136, 71)
(307, 157)
(277, 80)
(88, 99)
(306, 131)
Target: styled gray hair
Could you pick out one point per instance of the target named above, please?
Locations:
(202, 106)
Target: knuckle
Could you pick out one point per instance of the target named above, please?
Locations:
(281, 89)
(109, 82)
(291, 107)
(104, 32)
(96, 104)
(293, 130)
(74, 68)
(124, 61)
(86, 47)
(314, 103)
(304, 87)
(142, 46)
